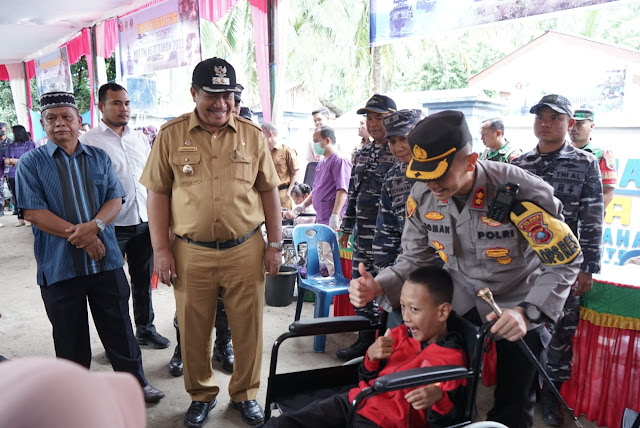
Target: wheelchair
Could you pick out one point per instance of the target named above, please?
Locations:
(291, 391)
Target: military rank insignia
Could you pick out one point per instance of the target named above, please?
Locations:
(478, 198)
(411, 207)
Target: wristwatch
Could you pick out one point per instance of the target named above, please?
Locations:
(532, 312)
(100, 224)
(276, 245)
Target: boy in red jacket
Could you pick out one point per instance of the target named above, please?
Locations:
(428, 337)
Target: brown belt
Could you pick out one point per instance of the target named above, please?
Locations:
(221, 245)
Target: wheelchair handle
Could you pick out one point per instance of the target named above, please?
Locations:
(486, 295)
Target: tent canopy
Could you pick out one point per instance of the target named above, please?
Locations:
(32, 28)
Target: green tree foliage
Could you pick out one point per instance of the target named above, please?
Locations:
(81, 84)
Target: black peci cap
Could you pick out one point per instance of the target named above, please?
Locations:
(215, 75)
(57, 99)
(434, 142)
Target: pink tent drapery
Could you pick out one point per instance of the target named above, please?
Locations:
(211, 10)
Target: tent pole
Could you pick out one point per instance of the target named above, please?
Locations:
(94, 62)
(271, 39)
(27, 89)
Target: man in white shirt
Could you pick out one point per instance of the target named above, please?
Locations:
(129, 150)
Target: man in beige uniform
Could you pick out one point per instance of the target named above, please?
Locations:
(286, 161)
(212, 182)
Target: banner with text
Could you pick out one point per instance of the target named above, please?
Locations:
(621, 230)
(396, 19)
(160, 37)
(53, 73)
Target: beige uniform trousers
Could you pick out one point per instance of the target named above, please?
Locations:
(238, 274)
(285, 199)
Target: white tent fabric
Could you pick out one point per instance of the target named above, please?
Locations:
(17, 82)
(32, 28)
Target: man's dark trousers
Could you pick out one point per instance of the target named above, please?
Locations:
(108, 295)
(135, 242)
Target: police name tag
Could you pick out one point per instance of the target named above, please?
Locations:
(187, 149)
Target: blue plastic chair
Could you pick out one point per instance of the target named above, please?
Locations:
(627, 255)
(324, 288)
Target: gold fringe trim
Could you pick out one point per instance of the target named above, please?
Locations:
(609, 320)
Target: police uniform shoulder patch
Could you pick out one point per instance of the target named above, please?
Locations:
(549, 237)
(411, 206)
(434, 215)
(478, 198)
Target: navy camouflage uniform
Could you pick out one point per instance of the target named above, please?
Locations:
(575, 177)
(371, 164)
(396, 188)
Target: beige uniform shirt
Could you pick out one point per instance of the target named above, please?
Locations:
(214, 180)
(286, 162)
(479, 252)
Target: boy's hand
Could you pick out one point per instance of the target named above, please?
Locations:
(425, 397)
(381, 348)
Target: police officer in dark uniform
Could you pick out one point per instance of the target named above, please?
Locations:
(370, 166)
(575, 177)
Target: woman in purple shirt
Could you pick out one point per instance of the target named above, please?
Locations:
(21, 145)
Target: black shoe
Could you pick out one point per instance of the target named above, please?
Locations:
(359, 348)
(3, 358)
(250, 411)
(550, 406)
(223, 351)
(198, 413)
(151, 394)
(153, 339)
(175, 365)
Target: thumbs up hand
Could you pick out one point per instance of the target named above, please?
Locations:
(364, 289)
(381, 348)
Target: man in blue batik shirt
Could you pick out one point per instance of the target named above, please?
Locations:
(70, 194)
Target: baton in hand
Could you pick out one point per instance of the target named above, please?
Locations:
(486, 295)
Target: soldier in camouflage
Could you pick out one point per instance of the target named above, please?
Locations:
(575, 177)
(395, 190)
(498, 147)
(580, 134)
(370, 166)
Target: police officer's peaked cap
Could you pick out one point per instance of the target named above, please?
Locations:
(215, 75)
(434, 142)
(556, 102)
(401, 122)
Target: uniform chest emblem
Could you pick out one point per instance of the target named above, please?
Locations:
(501, 255)
(438, 246)
(434, 215)
(478, 198)
(411, 206)
(490, 222)
(536, 229)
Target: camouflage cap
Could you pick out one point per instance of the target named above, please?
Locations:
(401, 122)
(556, 102)
(584, 114)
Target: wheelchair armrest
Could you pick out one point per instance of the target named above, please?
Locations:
(329, 325)
(418, 377)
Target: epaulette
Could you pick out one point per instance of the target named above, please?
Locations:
(245, 120)
(178, 119)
